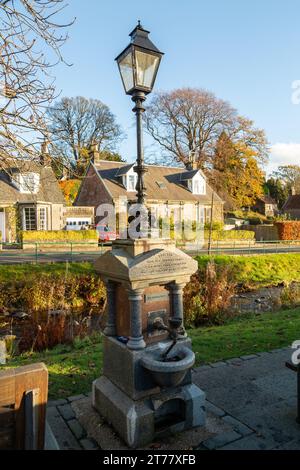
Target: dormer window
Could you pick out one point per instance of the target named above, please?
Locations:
(131, 182)
(198, 186)
(28, 182)
(195, 182)
(128, 176)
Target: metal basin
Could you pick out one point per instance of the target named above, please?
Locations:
(169, 374)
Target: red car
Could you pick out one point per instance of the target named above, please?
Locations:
(105, 233)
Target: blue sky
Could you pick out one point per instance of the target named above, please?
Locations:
(246, 52)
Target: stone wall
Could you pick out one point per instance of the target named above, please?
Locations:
(262, 232)
(92, 191)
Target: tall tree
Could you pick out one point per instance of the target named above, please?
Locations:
(290, 176)
(188, 122)
(77, 123)
(236, 175)
(277, 190)
(30, 33)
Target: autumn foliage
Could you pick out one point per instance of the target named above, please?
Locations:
(288, 230)
(70, 189)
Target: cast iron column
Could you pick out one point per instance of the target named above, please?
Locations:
(110, 328)
(177, 303)
(136, 340)
(138, 98)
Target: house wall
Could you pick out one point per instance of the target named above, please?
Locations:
(56, 219)
(92, 191)
(218, 213)
(293, 213)
(12, 224)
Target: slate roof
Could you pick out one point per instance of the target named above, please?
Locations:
(173, 188)
(293, 202)
(49, 190)
(266, 199)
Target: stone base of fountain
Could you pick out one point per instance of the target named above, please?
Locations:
(140, 407)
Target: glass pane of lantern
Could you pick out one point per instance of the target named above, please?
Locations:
(126, 71)
(146, 67)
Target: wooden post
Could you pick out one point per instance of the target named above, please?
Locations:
(211, 223)
(21, 390)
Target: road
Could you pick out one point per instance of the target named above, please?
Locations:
(20, 256)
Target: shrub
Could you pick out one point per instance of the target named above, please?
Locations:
(288, 230)
(208, 295)
(59, 329)
(224, 235)
(59, 235)
(41, 293)
(215, 226)
(290, 295)
(255, 221)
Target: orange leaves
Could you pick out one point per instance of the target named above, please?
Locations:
(289, 230)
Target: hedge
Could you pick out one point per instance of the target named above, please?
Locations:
(288, 230)
(230, 235)
(59, 235)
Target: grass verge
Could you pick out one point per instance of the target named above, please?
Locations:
(21, 272)
(262, 270)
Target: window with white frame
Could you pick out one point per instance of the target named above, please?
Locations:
(131, 182)
(29, 182)
(198, 186)
(200, 215)
(29, 217)
(43, 218)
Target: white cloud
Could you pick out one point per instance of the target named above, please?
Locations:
(284, 154)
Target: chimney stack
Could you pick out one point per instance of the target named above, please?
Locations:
(45, 158)
(94, 153)
(192, 164)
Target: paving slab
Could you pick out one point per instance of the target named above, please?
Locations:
(66, 411)
(221, 440)
(237, 425)
(63, 435)
(76, 428)
(76, 397)
(214, 409)
(250, 443)
(248, 357)
(214, 365)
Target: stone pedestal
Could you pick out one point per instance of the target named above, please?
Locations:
(128, 398)
(139, 394)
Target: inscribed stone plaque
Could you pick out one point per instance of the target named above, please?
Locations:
(163, 263)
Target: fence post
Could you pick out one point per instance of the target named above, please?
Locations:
(71, 252)
(36, 253)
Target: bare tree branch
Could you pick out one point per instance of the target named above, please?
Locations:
(30, 46)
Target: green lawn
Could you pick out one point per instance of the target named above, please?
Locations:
(263, 270)
(72, 369)
(21, 272)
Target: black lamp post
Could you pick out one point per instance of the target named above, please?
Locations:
(138, 65)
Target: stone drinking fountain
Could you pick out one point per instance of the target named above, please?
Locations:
(146, 389)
